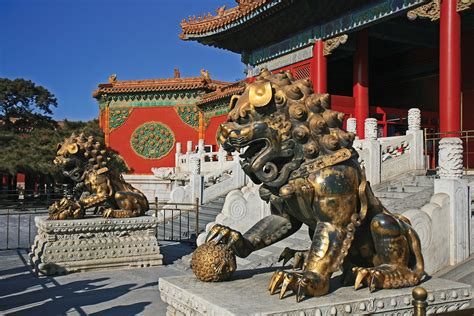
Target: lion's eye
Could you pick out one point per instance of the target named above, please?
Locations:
(267, 169)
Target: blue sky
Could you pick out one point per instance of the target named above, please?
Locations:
(69, 46)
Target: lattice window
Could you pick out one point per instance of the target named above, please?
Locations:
(302, 72)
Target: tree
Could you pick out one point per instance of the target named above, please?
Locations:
(25, 105)
(33, 152)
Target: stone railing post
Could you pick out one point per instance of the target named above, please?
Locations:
(370, 129)
(189, 146)
(414, 119)
(201, 146)
(417, 160)
(201, 152)
(352, 125)
(221, 156)
(450, 182)
(196, 181)
(372, 167)
(189, 152)
(177, 156)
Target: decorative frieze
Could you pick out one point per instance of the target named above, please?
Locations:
(221, 107)
(450, 159)
(432, 10)
(282, 61)
(118, 116)
(148, 98)
(95, 243)
(189, 114)
(333, 28)
(333, 43)
(185, 295)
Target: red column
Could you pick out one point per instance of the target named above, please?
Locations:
(450, 68)
(319, 68)
(361, 81)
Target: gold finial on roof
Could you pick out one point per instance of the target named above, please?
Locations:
(205, 74)
(112, 78)
(177, 73)
(221, 10)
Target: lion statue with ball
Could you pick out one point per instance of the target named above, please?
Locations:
(294, 146)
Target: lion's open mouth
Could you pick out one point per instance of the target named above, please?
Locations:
(254, 148)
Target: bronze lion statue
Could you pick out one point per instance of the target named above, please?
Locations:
(87, 163)
(294, 145)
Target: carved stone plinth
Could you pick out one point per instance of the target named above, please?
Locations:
(94, 244)
(247, 294)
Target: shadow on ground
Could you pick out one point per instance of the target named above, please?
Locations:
(116, 292)
(22, 293)
(173, 251)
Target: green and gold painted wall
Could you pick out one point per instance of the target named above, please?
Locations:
(144, 128)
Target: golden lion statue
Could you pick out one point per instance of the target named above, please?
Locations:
(296, 148)
(86, 162)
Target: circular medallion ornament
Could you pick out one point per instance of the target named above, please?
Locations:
(152, 140)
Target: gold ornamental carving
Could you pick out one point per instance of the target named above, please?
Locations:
(333, 43)
(432, 9)
(294, 145)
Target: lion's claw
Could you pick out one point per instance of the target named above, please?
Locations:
(297, 282)
(299, 257)
(223, 235)
(384, 277)
(275, 281)
(108, 213)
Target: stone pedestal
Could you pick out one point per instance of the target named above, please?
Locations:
(94, 244)
(246, 294)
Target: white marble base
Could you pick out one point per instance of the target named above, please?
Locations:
(151, 186)
(247, 294)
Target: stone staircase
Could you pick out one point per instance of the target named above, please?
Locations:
(180, 226)
(404, 192)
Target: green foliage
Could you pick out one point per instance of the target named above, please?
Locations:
(33, 152)
(24, 106)
(29, 136)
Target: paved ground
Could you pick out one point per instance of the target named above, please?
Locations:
(124, 292)
(119, 292)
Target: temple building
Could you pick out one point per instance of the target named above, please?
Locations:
(144, 119)
(375, 58)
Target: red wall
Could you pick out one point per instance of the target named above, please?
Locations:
(211, 130)
(120, 137)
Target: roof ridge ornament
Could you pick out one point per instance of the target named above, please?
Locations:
(431, 10)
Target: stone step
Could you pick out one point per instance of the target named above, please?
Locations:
(393, 195)
(212, 207)
(408, 189)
